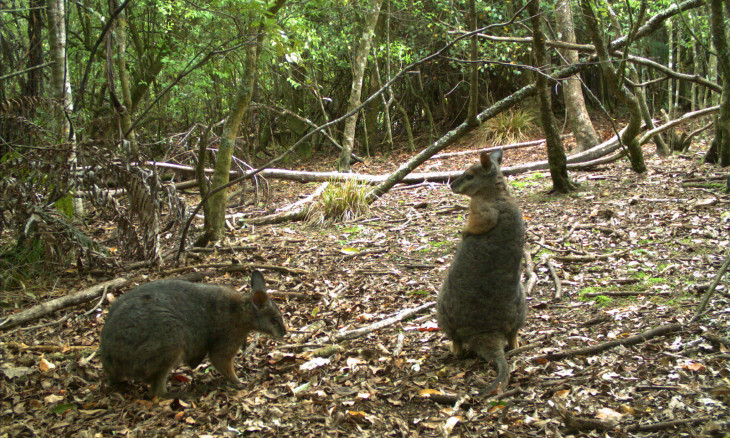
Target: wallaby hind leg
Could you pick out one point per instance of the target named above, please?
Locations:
(513, 341)
(158, 380)
(158, 383)
(491, 348)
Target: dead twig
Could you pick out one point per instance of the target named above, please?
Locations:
(556, 279)
(667, 424)
(400, 316)
(47, 348)
(623, 294)
(631, 340)
(714, 337)
(362, 253)
(530, 272)
(706, 298)
(227, 267)
(589, 257)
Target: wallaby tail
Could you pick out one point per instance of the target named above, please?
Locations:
(490, 347)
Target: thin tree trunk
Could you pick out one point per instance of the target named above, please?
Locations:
(670, 64)
(556, 153)
(719, 151)
(578, 118)
(61, 85)
(32, 86)
(661, 147)
(630, 135)
(358, 72)
(473, 69)
(214, 223)
(123, 72)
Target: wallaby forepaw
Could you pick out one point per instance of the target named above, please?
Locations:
(457, 349)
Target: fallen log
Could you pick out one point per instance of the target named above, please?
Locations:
(49, 307)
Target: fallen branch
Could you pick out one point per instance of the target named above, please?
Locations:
(706, 298)
(530, 272)
(494, 148)
(49, 307)
(714, 337)
(575, 423)
(48, 348)
(227, 267)
(367, 252)
(556, 279)
(589, 258)
(631, 340)
(403, 314)
(622, 294)
(667, 424)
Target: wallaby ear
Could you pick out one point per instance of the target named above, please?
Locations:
(496, 157)
(260, 298)
(487, 159)
(484, 160)
(258, 289)
(257, 281)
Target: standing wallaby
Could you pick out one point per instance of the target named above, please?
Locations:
(481, 304)
(154, 327)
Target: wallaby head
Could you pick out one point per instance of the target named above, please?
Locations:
(483, 178)
(265, 316)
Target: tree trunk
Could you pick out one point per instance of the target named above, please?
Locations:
(556, 153)
(32, 86)
(358, 72)
(630, 135)
(661, 147)
(214, 223)
(720, 149)
(578, 118)
(61, 85)
(123, 72)
(471, 117)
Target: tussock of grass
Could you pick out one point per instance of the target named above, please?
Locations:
(510, 126)
(340, 201)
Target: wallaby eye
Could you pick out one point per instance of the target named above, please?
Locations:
(469, 177)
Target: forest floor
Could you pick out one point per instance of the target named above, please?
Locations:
(632, 253)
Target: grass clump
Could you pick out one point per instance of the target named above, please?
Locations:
(510, 126)
(339, 201)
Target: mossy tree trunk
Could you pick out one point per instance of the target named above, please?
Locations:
(614, 80)
(719, 151)
(216, 209)
(556, 153)
(358, 73)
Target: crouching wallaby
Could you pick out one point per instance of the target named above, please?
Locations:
(481, 304)
(153, 327)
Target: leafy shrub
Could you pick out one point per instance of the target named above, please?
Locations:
(510, 126)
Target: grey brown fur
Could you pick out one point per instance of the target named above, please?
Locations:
(155, 326)
(481, 304)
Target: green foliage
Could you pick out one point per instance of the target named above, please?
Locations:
(507, 127)
(339, 201)
(21, 263)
